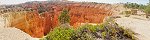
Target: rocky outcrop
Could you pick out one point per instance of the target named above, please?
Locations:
(41, 17)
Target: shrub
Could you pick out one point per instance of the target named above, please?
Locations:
(86, 32)
(106, 31)
(60, 33)
(126, 13)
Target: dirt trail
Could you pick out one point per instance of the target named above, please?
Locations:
(141, 27)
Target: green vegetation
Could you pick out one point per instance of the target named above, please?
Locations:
(87, 32)
(60, 33)
(64, 17)
(147, 10)
(135, 5)
(106, 31)
(126, 13)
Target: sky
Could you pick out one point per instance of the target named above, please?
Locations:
(117, 1)
(2, 2)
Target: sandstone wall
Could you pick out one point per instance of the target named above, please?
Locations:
(43, 16)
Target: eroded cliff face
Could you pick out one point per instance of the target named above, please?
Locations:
(41, 17)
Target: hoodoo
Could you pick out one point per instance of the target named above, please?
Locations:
(38, 18)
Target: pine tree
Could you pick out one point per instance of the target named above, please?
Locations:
(147, 10)
(64, 17)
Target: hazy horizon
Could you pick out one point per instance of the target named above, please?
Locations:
(8, 2)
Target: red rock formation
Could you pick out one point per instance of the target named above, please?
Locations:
(31, 23)
(40, 24)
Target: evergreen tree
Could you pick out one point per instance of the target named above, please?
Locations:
(147, 10)
(64, 17)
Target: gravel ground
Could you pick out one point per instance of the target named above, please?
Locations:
(141, 27)
(12, 33)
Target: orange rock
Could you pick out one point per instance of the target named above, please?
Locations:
(38, 25)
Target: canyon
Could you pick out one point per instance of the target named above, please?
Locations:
(38, 18)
